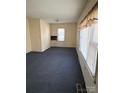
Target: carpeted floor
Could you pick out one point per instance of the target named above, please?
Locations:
(56, 70)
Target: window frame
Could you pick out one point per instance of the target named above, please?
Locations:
(96, 56)
(58, 35)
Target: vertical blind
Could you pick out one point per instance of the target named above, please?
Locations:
(89, 39)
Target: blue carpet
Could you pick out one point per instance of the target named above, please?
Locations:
(56, 70)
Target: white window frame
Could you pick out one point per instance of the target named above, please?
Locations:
(91, 56)
(60, 38)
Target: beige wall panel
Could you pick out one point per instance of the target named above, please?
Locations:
(35, 34)
(45, 35)
(28, 39)
(70, 34)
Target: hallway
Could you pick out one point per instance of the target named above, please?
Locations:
(57, 70)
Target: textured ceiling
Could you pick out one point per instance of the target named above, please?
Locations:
(51, 10)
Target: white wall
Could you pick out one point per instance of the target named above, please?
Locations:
(28, 39)
(34, 26)
(89, 81)
(38, 33)
(70, 34)
(45, 35)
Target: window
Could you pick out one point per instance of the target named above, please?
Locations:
(88, 46)
(61, 34)
(84, 42)
(93, 49)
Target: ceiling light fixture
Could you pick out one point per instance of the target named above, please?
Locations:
(57, 20)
